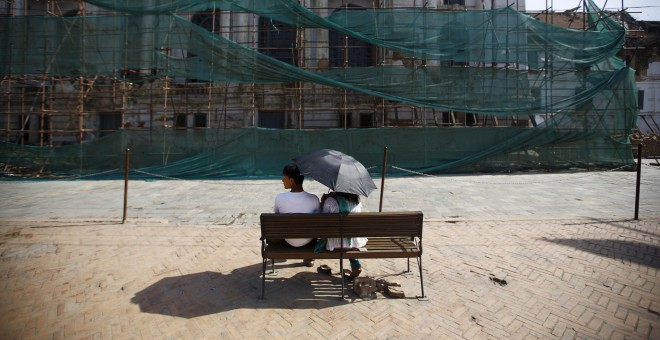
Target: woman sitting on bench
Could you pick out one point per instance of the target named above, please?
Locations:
(337, 202)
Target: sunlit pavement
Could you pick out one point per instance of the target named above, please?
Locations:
(536, 255)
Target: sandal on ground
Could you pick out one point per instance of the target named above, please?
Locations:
(325, 269)
(395, 292)
(309, 262)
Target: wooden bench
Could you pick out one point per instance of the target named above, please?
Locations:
(391, 235)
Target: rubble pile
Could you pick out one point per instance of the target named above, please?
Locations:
(14, 171)
(651, 143)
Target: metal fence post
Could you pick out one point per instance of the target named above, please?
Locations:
(128, 157)
(639, 176)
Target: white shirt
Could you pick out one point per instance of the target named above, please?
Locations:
(296, 202)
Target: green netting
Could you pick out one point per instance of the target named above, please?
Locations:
(259, 153)
(557, 59)
(582, 97)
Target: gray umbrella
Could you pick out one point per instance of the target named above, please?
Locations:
(337, 171)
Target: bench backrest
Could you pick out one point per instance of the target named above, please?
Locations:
(366, 224)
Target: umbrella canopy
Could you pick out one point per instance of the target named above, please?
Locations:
(337, 171)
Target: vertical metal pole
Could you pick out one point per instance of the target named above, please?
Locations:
(639, 176)
(128, 153)
(382, 180)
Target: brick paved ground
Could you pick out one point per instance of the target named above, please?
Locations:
(557, 279)
(514, 276)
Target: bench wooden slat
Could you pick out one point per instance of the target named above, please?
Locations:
(375, 248)
(390, 224)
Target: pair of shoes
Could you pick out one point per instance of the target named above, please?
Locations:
(382, 284)
(309, 262)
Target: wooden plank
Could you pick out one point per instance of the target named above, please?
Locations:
(390, 224)
(375, 248)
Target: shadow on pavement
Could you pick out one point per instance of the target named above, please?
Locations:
(622, 224)
(637, 252)
(192, 295)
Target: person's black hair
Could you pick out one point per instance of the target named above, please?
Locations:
(353, 198)
(291, 170)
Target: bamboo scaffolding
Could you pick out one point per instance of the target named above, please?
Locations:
(153, 104)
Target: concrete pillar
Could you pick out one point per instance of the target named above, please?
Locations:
(318, 54)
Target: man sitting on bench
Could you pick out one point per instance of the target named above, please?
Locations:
(297, 200)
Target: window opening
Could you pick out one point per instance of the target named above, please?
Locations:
(109, 123)
(272, 119)
(278, 40)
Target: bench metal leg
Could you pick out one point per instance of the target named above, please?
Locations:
(343, 277)
(408, 271)
(421, 277)
(263, 276)
(263, 279)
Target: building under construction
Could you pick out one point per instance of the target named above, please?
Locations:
(235, 89)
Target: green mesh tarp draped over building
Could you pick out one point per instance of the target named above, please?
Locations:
(561, 60)
(583, 98)
(261, 153)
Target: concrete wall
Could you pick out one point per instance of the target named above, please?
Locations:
(649, 119)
